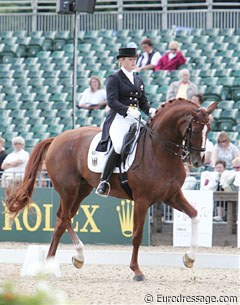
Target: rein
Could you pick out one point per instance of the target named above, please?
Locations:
(186, 146)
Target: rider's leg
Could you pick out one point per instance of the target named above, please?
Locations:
(119, 128)
(103, 186)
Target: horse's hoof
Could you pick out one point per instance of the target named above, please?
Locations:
(77, 263)
(188, 262)
(139, 278)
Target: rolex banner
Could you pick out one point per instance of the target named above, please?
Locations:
(98, 221)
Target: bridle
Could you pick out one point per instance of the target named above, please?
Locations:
(186, 147)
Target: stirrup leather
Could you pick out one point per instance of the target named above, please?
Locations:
(107, 188)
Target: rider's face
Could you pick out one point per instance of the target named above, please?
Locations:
(129, 63)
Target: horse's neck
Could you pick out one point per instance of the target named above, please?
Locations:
(168, 127)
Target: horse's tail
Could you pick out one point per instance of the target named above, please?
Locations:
(18, 198)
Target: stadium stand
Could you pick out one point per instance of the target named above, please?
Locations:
(36, 76)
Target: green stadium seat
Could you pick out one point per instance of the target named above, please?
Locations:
(59, 105)
(41, 135)
(6, 34)
(13, 105)
(18, 113)
(227, 31)
(47, 106)
(51, 121)
(33, 120)
(39, 127)
(55, 130)
(213, 93)
(20, 121)
(22, 128)
(61, 39)
(64, 113)
(48, 114)
(225, 125)
(30, 143)
(84, 121)
(33, 114)
(28, 97)
(226, 105)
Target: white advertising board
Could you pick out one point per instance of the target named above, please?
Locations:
(238, 222)
(202, 201)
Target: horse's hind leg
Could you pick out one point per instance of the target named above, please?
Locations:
(69, 205)
(78, 260)
(180, 203)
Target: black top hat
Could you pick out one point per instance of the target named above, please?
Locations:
(127, 52)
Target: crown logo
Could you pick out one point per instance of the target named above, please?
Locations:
(125, 214)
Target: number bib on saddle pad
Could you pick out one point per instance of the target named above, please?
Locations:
(97, 159)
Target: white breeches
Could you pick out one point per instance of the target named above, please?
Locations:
(119, 128)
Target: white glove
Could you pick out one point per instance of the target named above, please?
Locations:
(133, 113)
(152, 112)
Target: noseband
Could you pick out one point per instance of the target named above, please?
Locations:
(187, 147)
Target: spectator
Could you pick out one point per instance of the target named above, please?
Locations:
(224, 150)
(3, 153)
(197, 98)
(190, 181)
(149, 58)
(14, 164)
(93, 97)
(44, 178)
(182, 88)
(230, 179)
(211, 181)
(171, 60)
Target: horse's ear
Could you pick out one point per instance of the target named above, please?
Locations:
(212, 107)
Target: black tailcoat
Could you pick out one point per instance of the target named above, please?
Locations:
(121, 94)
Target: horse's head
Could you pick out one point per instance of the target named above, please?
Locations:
(196, 134)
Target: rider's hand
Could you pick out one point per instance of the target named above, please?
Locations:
(152, 112)
(133, 113)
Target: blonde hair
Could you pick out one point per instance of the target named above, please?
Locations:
(2, 141)
(96, 78)
(18, 139)
(223, 137)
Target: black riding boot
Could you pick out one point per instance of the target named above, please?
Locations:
(103, 187)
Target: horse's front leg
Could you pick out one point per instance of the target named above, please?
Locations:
(140, 211)
(179, 202)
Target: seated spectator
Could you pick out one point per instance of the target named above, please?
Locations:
(197, 98)
(15, 163)
(44, 179)
(171, 60)
(3, 153)
(93, 97)
(182, 88)
(149, 58)
(211, 181)
(224, 150)
(231, 178)
(190, 181)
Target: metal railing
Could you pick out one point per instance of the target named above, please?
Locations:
(40, 15)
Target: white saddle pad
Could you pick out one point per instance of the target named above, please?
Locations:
(97, 159)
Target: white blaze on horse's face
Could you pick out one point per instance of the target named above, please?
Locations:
(204, 139)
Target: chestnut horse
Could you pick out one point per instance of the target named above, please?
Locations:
(178, 131)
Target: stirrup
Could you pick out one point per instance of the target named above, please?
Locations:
(98, 189)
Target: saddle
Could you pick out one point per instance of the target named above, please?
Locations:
(97, 159)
